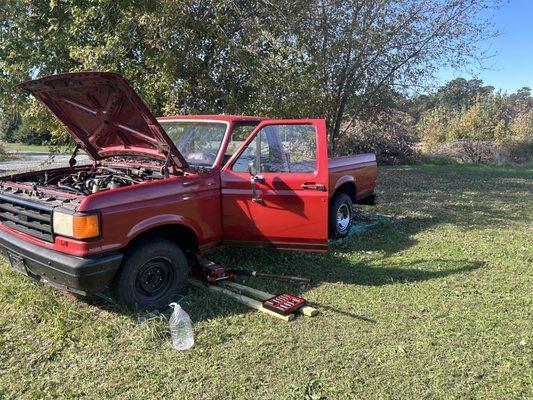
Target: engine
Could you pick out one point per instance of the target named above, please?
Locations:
(97, 179)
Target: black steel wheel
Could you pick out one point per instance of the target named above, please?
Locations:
(154, 278)
(151, 275)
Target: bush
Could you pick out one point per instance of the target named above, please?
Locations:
(517, 151)
(389, 136)
(28, 135)
(520, 148)
(4, 155)
(476, 151)
(434, 127)
(486, 120)
(494, 128)
(466, 150)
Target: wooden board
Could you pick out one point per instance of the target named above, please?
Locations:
(305, 310)
(247, 301)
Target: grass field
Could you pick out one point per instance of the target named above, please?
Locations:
(21, 147)
(26, 147)
(438, 304)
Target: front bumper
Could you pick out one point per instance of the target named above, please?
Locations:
(80, 275)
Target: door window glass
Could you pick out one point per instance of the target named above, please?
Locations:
(281, 148)
(238, 135)
(247, 156)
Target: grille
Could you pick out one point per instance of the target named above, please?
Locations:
(26, 216)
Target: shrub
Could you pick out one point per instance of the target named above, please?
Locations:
(519, 148)
(4, 155)
(523, 125)
(492, 129)
(488, 119)
(476, 151)
(28, 135)
(389, 136)
(520, 152)
(434, 127)
(466, 150)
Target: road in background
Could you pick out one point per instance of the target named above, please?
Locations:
(28, 160)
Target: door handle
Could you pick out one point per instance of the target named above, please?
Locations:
(314, 186)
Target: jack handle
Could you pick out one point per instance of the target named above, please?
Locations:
(246, 272)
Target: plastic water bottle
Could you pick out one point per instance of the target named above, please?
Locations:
(181, 328)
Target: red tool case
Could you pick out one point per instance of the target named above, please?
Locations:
(284, 303)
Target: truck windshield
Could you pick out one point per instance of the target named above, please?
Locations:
(198, 141)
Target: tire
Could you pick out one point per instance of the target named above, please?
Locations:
(151, 275)
(340, 216)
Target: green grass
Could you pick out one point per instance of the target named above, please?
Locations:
(435, 305)
(8, 156)
(26, 147)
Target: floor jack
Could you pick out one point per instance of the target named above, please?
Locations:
(219, 278)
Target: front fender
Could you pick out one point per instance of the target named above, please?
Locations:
(161, 220)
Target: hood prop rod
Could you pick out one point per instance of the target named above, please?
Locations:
(72, 161)
(165, 169)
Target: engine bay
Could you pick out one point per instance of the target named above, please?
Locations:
(85, 181)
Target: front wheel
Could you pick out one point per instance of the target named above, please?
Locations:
(340, 216)
(151, 275)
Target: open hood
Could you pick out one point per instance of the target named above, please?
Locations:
(104, 115)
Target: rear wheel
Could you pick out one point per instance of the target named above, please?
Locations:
(340, 216)
(151, 275)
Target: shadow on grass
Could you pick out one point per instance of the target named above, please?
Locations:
(322, 306)
(337, 267)
(469, 197)
(200, 303)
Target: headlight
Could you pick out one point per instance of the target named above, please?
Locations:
(77, 226)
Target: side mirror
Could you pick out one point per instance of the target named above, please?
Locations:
(252, 168)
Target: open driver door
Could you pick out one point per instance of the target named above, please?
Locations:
(275, 187)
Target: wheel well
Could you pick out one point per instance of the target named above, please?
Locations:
(182, 235)
(347, 188)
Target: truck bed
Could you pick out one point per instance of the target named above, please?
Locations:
(359, 170)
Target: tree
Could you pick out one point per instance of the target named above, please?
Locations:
(455, 96)
(177, 54)
(460, 93)
(354, 49)
(495, 125)
(338, 59)
(8, 126)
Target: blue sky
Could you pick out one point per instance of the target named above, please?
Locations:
(512, 66)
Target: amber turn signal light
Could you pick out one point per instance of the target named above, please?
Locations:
(86, 226)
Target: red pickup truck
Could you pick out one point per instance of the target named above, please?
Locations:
(161, 191)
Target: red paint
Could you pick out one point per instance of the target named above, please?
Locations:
(289, 215)
(360, 170)
(215, 205)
